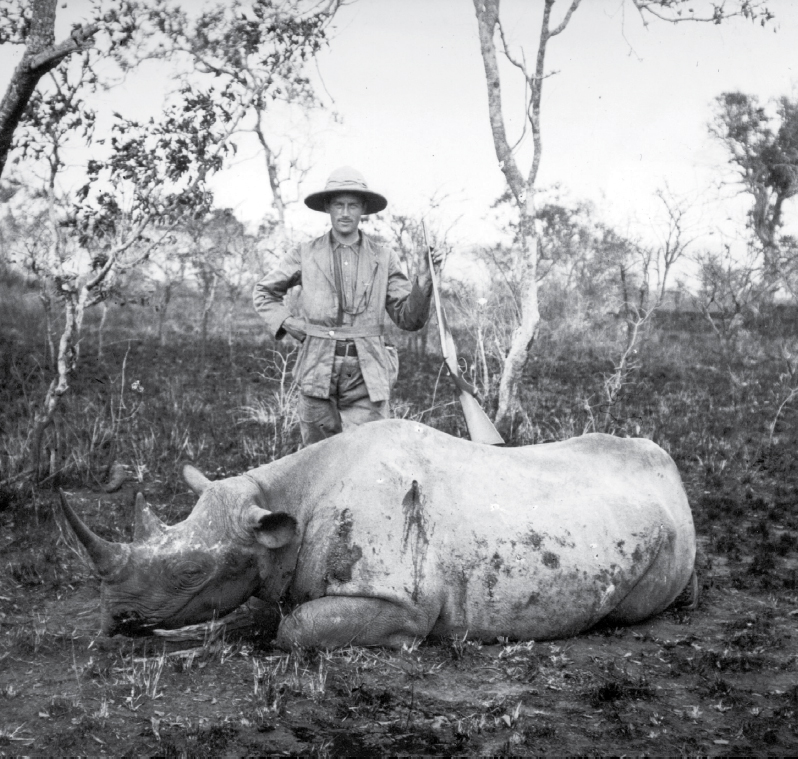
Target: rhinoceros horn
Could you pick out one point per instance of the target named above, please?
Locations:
(147, 524)
(107, 557)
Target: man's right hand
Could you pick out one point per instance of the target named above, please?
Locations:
(294, 327)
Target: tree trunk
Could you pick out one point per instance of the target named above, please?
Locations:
(523, 190)
(481, 357)
(101, 330)
(68, 353)
(231, 303)
(47, 305)
(40, 56)
(526, 332)
(207, 305)
(274, 182)
(76, 299)
(163, 307)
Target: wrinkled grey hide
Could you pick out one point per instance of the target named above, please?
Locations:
(395, 531)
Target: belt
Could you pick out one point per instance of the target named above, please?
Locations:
(344, 333)
(345, 348)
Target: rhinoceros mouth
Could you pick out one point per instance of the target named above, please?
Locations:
(239, 618)
(132, 626)
(193, 631)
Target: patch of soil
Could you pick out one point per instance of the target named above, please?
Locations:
(717, 680)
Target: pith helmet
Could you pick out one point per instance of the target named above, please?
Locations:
(346, 179)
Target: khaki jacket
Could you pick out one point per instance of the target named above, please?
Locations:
(380, 282)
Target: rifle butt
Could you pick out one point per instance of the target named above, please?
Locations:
(480, 427)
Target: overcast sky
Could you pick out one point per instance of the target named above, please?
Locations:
(624, 111)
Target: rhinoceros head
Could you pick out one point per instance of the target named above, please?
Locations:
(191, 572)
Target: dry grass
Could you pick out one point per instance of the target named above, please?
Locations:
(719, 678)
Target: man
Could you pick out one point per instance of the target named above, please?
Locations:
(345, 371)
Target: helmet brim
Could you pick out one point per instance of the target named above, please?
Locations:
(375, 202)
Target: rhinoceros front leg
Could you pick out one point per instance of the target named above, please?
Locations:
(335, 621)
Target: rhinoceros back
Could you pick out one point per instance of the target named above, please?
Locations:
(535, 542)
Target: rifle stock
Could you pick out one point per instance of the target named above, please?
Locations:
(480, 427)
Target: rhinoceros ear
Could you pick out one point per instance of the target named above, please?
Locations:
(147, 525)
(272, 529)
(195, 479)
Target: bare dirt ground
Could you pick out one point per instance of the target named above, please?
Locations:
(718, 680)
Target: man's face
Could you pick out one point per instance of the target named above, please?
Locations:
(345, 210)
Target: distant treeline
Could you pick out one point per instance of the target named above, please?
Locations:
(775, 320)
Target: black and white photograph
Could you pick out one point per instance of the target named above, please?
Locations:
(398, 378)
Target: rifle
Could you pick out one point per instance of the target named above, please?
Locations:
(480, 427)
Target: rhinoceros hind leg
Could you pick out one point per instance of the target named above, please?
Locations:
(336, 621)
(654, 593)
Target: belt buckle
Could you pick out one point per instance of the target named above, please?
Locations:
(345, 348)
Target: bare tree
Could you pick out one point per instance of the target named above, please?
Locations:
(239, 273)
(731, 288)
(166, 273)
(208, 245)
(675, 239)
(524, 186)
(643, 272)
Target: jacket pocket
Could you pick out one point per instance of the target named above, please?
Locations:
(305, 365)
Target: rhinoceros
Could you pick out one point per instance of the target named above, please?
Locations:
(395, 531)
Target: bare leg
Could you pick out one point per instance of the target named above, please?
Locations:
(335, 621)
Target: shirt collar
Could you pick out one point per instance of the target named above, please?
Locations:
(335, 244)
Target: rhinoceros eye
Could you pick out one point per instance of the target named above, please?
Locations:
(190, 573)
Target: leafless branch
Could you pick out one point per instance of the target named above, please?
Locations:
(557, 30)
(659, 9)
